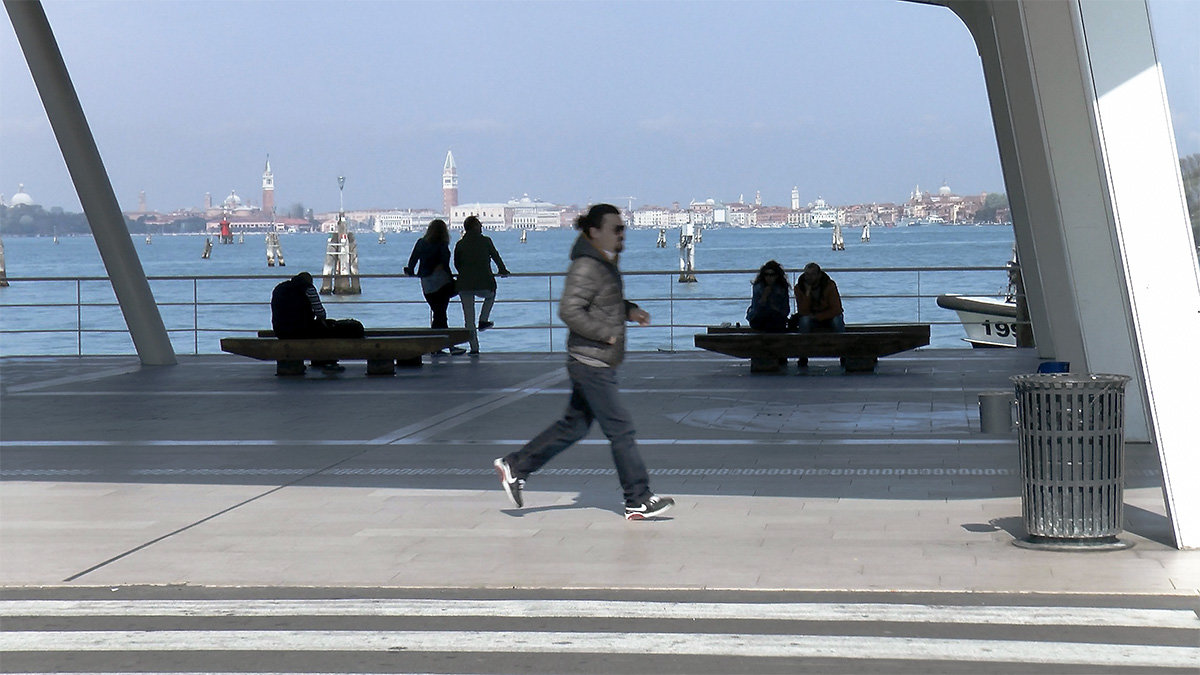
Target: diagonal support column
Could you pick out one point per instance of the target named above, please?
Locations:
(91, 182)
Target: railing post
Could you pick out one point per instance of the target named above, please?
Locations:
(671, 312)
(918, 296)
(195, 318)
(550, 310)
(78, 317)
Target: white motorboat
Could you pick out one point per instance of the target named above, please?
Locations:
(989, 321)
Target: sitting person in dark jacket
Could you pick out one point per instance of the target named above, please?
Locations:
(818, 303)
(769, 304)
(297, 313)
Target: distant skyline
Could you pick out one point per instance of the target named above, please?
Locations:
(853, 100)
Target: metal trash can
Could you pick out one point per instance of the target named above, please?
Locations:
(1071, 437)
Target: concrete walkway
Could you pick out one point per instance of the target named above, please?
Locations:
(215, 472)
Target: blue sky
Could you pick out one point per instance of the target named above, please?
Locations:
(571, 102)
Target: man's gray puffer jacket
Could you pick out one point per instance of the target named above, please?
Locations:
(593, 305)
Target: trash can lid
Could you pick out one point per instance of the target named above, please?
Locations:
(1100, 381)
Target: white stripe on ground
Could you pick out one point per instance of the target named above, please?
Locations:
(839, 440)
(695, 644)
(758, 471)
(419, 431)
(901, 613)
(71, 379)
(722, 394)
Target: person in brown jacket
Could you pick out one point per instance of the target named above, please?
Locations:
(818, 304)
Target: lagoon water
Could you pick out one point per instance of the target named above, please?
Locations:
(199, 313)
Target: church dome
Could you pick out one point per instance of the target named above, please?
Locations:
(944, 190)
(21, 198)
(233, 201)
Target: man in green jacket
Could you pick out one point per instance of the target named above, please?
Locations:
(595, 310)
(473, 256)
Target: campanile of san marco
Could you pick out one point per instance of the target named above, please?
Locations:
(268, 189)
(449, 185)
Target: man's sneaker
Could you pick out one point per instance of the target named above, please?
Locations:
(457, 351)
(652, 506)
(511, 484)
(484, 325)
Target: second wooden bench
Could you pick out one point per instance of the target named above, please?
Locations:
(859, 348)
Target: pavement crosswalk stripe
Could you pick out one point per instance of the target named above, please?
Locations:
(679, 644)
(902, 613)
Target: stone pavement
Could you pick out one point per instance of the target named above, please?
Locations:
(217, 473)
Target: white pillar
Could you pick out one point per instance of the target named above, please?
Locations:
(91, 182)
(1091, 166)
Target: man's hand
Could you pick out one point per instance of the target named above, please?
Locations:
(641, 316)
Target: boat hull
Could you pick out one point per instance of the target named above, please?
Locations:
(989, 322)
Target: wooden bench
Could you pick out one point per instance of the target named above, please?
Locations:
(859, 348)
(381, 353)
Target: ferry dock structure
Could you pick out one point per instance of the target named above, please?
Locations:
(1083, 129)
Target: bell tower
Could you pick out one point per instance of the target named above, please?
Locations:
(449, 185)
(268, 189)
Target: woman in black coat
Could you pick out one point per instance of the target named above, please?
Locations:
(431, 261)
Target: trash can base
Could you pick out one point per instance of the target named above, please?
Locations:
(1035, 542)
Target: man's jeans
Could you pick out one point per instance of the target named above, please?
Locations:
(468, 302)
(593, 397)
(807, 324)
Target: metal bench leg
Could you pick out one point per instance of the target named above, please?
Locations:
(764, 364)
(414, 362)
(289, 368)
(859, 364)
(381, 367)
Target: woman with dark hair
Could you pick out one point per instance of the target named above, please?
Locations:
(595, 310)
(431, 259)
(770, 304)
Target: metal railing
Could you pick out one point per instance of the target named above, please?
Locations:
(80, 315)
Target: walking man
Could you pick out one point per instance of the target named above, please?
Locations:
(595, 310)
(473, 256)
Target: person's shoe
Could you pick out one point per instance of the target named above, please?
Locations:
(802, 362)
(457, 351)
(651, 506)
(484, 325)
(333, 367)
(511, 484)
(440, 352)
(473, 352)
